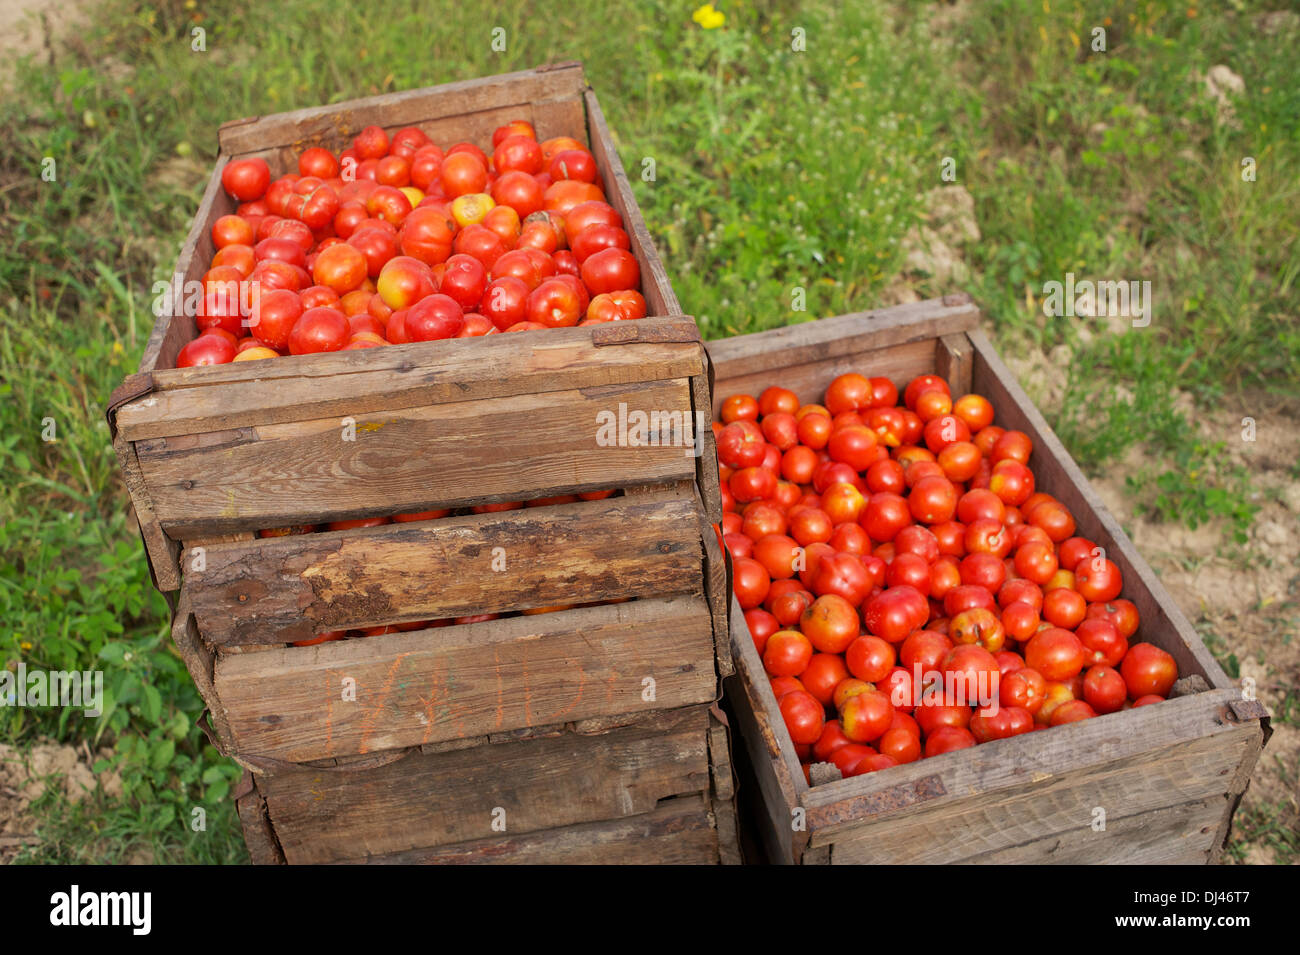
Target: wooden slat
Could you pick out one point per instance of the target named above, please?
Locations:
(953, 359)
(284, 589)
(393, 377)
(1012, 766)
(1007, 796)
(1162, 622)
(1170, 835)
(423, 801)
(465, 681)
(718, 591)
(258, 834)
(171, 332)
(839, 337)
(200, 661)
(899, 363)
(159, 549)
(770, 751)
(706, 465)
(658, 291)
(724, 793)
(679, 832)
(408, 107)
(413, 459)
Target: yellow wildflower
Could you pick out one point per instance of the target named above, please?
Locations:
(709, 18)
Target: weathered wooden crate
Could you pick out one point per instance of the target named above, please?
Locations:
(1168, 776)
(657, 789)
(212, 455)
(219, 450)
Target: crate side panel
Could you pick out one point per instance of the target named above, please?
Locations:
(407, 689)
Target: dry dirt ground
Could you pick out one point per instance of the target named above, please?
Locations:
(1244, 599)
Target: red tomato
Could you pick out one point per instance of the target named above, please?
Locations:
(1055, 653)
(823, 673)
(870, 658)
(1148, 671)
(611, 270)
(750, 582)
(895, 613)
(246, 179)
(319, 330)
(434, 317)
(830, 623)
(803, 715)
(207, 349)
(866, 716)
(787, 653)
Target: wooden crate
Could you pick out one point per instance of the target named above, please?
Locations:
(234, 448)
(1168, 776)
(654, 790)
(211, 455)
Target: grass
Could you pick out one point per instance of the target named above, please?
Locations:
(778, 175)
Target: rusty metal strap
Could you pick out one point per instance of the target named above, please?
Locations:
(133, 386)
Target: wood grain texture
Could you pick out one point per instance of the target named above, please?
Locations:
(466, 681)
(1020, 795)
(706, 464)
(724, 792)
(200, 661)
(658, 291)
(259, 837)
(1170, 835)
(171, 332)
(439, 799)
(954, 359)
(898, 363)
(718, 592)
(161, 551)
(1162, 622)
(286, 589)
(679, 832)
(457, 102)
(449, 455)
(771, 753)
(841, 337)
(304, 387)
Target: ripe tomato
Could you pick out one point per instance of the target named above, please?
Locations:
(246, 179)
(1055, 653)
(866, 716)
(787, 653)
(1024, 688)
(1096, 578)
(611, 270)
(341, 267)
(1148, 671)
(895, 613)
(554, 304)
(824, 672)
(803, 715)
(462, 173)
(750, 581)
(761, 626)
(830, 623)
(434, 317)
(870, 658)
(971, 676)
(1104, 689)
(319, 330)
(1123, 614)
(945, 739)
(207, 349)
(274, 316)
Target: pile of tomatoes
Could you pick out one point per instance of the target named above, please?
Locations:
(397, 241)
(908, 589)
